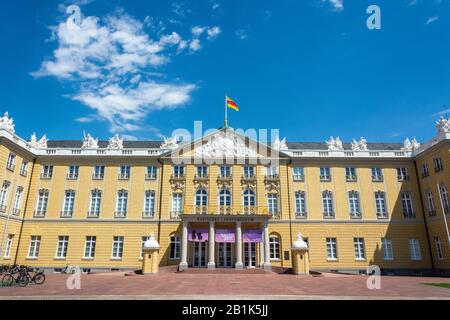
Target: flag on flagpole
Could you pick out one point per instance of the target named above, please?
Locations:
(231, 104)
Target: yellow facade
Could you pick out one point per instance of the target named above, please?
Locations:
(118, 240)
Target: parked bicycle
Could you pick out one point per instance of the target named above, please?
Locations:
(21, 275)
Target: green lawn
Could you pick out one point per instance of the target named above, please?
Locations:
(442, 285)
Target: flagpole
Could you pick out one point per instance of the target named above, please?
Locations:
(226, 113)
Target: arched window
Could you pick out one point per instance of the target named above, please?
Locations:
(225, 198)
(201, 197)
(249, 198)
(274, 246)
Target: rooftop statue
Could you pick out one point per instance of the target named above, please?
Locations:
(115, 142)
(7, 123)
(41, 144)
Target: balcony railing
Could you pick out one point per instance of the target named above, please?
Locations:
(225, 210)
(201, 209)
(225, 177)
(272, 177)
(351, 178)
(201, 177)
(178, 176)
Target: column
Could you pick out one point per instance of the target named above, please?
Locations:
(267, 264)
(184, 247)
(212, 244)
(239, 265)
(261, 254)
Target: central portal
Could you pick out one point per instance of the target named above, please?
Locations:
(199, 254)
(250, 254)
(225, 255)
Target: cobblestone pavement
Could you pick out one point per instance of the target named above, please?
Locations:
(229, 285)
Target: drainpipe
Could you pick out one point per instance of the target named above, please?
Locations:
(443, 213)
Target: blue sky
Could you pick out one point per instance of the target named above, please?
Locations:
(145, 68)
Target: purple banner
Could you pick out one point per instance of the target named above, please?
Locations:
(225, 235)
(252, 235)
(198, 235)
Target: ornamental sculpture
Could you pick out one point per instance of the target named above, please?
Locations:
(7, 123)
(335, 144)
(225, 145)
(410, 145)
(443, 125)
(360, 145)
(89, 142)
(41, 144)
(279, 145)
(115, 142)
(169, 143)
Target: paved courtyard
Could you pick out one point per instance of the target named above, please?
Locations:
(226, 284)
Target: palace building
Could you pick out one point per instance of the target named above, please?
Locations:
(225, 201)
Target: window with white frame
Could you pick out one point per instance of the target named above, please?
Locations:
(274, 247)
(177, 203)
(360, 250)
(4, 195)
(178, 171)
(9, 243)
(35, 244)
(272, 203)
(380, 204)
(149, 203)
(225, 171)
(444, 198)
(117, 249)
(124, 172)
(11, 162)
(414, 249)
(439, 251)
(300, 204)
(386, 248)
(73, 172)
(69, 202)
(354, 204)
(377, 174)
(225, 198)
(249, 172)
(122, 203)
(96, 203)
(350, 174)
(438, 164)
(325, 174)
(332, 253)
(42, 202)
(99, 172)
(272, 171)
(89, 247)
(201, 198)
(61, 248)
(47, 171)
(143, 241)
(23, 168)
(407, 205)
(175, 246)
(327, 204)
(430, 204)
(425, 170)
(402, 174)
(298, 173)
(202, 172)
(18, 201)
(248, 200)
(152, 172)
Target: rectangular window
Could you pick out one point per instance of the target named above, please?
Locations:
(149, 204)
(35, 244)
(99, 173)
(299, 173)
(152, 172)
(386, 248)
(414, 250)
(249, 172)
(274, 248)
(407, 205)
(11, 162)
(4, 195)
(144, 239)
(41, 207)
(61, 249)
(89, 247)
(300, 204)
(124, 172)
(380, 204)
(69, 203)
(327, 204)
(325, 174)
(360, 250)
(47, 172)
(354, 204)
(24, 168)
(96, 202)
(377, 174)
(350, 174)
(402, 174)
(117, 250)
(425, 171)
(225, 171)
(202, 172)
(177, 204)
(9, 243)
(272, 171)
(444, 198)
(178, 171)
(332, 253)
(73, 172)
(430, 204)
(175, 246)
(272, 200)
(438, 164)
(439, 251)
(18, 201)
(122, 204)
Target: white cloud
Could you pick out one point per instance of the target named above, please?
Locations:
(432, 19)
(412, 3)
(338, 5)
(241, 34)
(214, 4)
(112, 59)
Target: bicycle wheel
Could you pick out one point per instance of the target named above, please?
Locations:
(7, 280)
(39, 278)
(23, 280)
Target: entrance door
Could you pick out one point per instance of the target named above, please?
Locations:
(224, 255)
(199, 254)
(249, 254)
